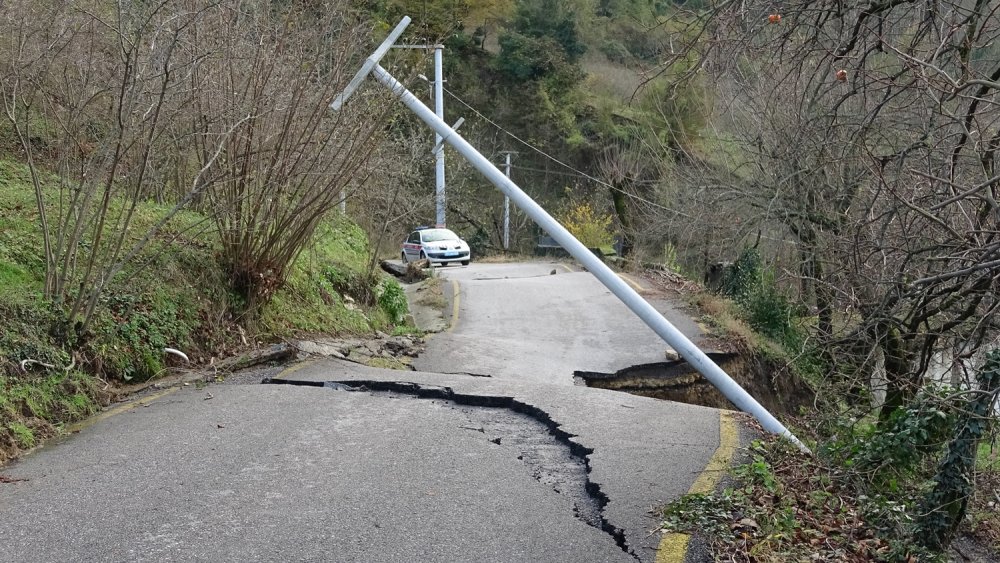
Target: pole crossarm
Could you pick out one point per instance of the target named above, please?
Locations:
(646, 312)
(454, 127)
(370, 64)
(427, 47)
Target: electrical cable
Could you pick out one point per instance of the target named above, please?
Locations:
(578, 173)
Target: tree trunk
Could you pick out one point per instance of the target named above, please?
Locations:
(900, 383)
(944, 507)
(621, 210)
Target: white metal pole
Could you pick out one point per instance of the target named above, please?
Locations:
(506, 210)
(369, 64)
(439, 194)
(725, 384)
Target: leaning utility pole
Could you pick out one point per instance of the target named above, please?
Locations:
(649, 315)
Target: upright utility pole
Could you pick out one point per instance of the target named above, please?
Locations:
(506, 206)
(438, 95)
(439, 196)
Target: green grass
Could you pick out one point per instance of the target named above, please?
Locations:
(988, 457)
(23, 435)
(312, 300)
(13, 277)
(175, 294)
(33, 407)
(58, 394)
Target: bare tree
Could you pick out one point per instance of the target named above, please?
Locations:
(630, 171)
(103, 84)
(221, 105)
(292, 160)
(868, 133)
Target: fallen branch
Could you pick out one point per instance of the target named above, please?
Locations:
(30, 362)
(273, 353)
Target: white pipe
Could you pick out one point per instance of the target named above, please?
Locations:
(725, 384)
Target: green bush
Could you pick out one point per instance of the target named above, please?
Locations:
(392, 300)
(769, 312)
(132, 334)
(903, 446)
(479, 243)
(945, 506)
(740, 279)
(615, 51)
(764, 307)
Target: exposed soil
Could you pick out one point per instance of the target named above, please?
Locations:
(980, 539)
(774, 386)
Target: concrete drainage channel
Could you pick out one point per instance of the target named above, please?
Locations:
(549, 452)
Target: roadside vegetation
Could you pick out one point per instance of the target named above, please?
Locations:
(902, 489)
(172, 192)
(176, 296)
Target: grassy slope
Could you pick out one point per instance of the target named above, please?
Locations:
(798, 504)
(174, 296)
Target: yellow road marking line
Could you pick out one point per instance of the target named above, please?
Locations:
(456, 299)
(120, 409)
(673, 546)
(638, 288)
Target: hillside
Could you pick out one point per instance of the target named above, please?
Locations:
(173, 295)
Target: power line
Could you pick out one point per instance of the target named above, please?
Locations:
(556, 172)
(578, 173)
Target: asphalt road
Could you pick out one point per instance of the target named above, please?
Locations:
(396, 466)
(522, 321)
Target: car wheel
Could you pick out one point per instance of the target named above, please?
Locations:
(402, 256)
(465, 262)
(422, 255)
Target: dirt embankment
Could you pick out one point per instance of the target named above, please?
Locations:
(773, 385)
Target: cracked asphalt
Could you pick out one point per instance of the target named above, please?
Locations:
(522, 322)
(294, 473)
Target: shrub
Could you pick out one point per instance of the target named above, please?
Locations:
(392, 299)
(764, 307)
(743, 276)
(901, 446)
(588, 226)
(362, 287)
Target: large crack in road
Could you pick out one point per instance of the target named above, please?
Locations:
(549, 452)
(675, 380)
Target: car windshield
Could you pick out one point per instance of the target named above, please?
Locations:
(434, 235)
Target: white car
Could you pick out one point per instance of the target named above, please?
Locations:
(439, 246)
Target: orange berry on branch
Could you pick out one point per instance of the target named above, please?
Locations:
(774, 18)
(842, 75)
